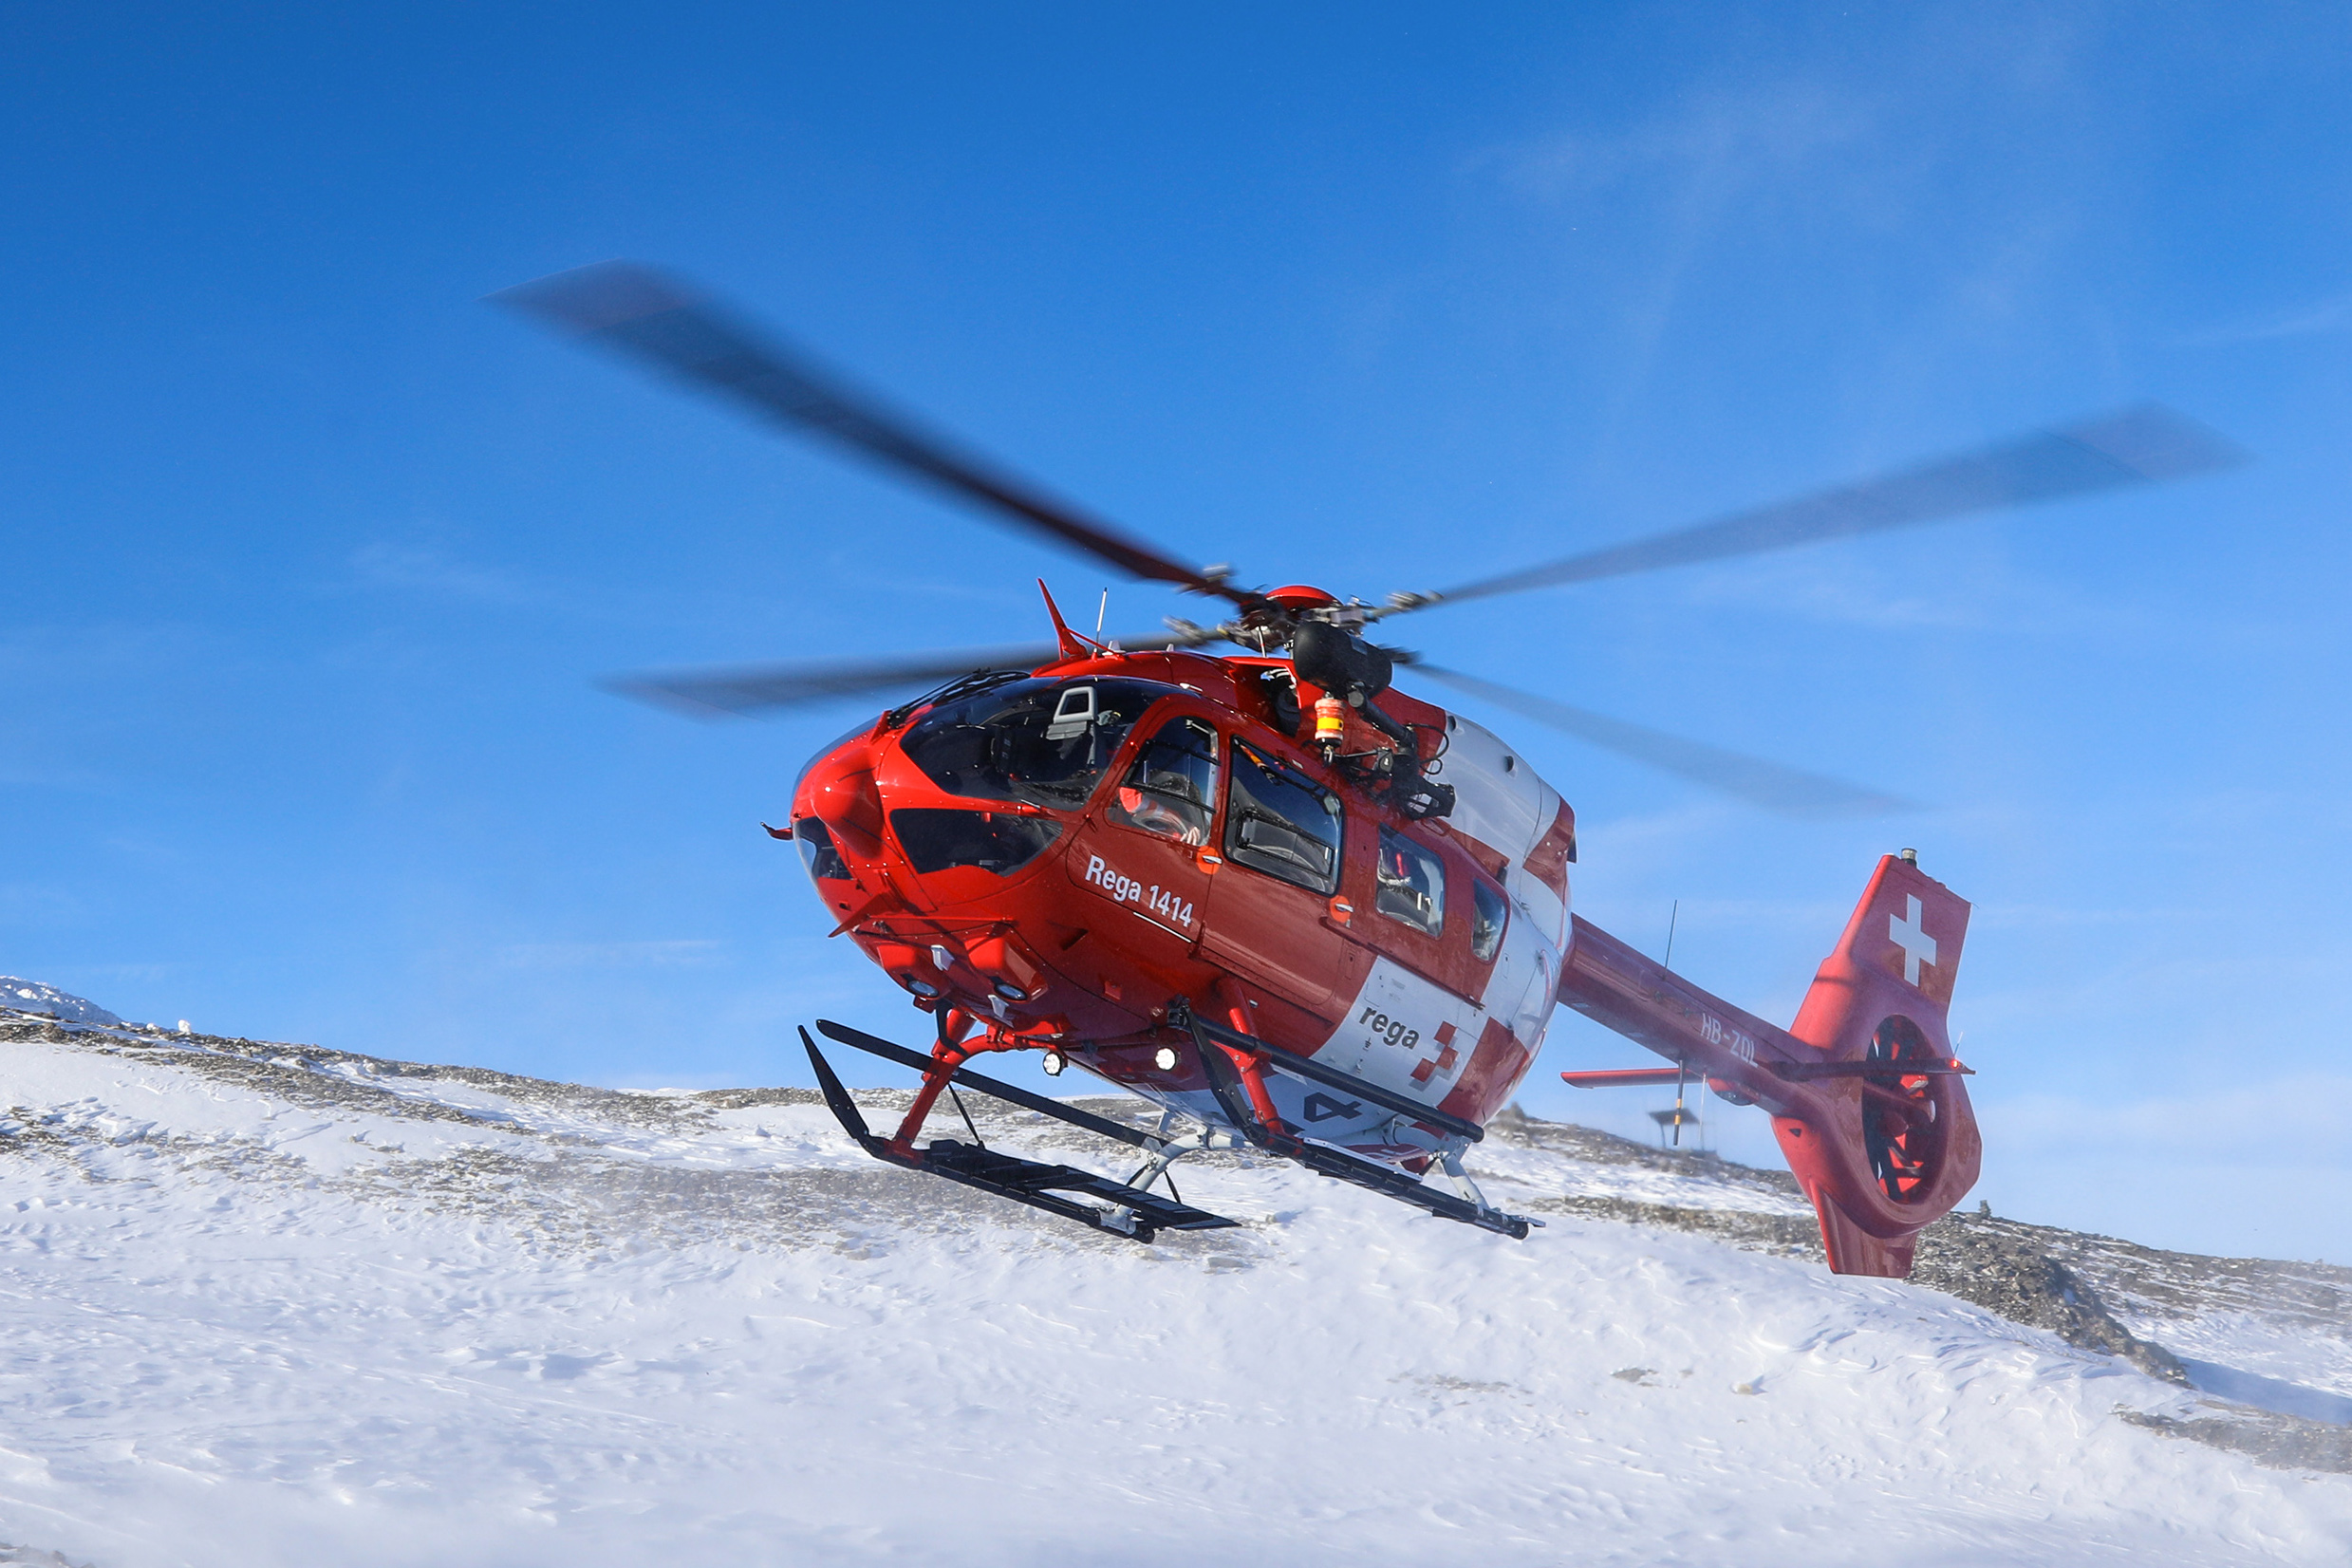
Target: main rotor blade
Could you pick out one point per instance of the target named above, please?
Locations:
(1783, 790)
(755, 688)
(637, 310)
(2144, 445)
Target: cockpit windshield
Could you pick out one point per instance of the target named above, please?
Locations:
(1045, 742)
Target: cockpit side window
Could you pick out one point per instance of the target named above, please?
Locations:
(1411, 883)
(817, 851)
(1281, 822)
(1172, 789)
(1043, 742)
(1486, 923)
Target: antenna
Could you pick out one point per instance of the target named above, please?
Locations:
(1100, 610)
(1682, 1066)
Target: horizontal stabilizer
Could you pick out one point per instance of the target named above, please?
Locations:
(1908, 1067)
(1626, 1078)
(1867, 1100)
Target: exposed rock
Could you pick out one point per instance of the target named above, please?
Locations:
(2008, 1268)
(25, 995)
(1513, 1125)
(2069, 1283)
(2281, 1442)
(1787, 1235)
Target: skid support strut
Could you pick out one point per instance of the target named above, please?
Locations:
(1122, 1209)
(1218, 1047)
(1173, 1150)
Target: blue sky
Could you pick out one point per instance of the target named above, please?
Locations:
(312, 557)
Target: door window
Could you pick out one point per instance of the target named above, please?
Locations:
(1412, 882)
(1172, 789)
(1487, 924)
(1281, 822)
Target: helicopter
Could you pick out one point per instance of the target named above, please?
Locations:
(1297, 909)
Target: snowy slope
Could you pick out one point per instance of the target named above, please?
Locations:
(275, 1305)
(27, 996)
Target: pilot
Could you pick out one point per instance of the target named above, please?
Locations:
(1162, 810)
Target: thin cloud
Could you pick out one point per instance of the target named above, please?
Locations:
(1842, 590)
(2240, 1126)
(2330, 315)
(2054, 917)
(1714, 146)
(413, 570)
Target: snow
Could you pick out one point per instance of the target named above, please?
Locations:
(2258, 1360)
(33, 997)
(297, 1308)
(2268, 1393)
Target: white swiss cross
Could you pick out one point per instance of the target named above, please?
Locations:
(1906, 932)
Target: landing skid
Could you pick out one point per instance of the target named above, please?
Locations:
(1227, 1055)
(1133, 1212)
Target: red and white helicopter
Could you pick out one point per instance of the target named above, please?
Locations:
(1296, 907)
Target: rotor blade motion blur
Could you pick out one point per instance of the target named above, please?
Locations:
(2144, 445)
(1776, 788)
(755, 688)
(641, 312)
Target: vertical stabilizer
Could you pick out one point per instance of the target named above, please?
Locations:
(1878, 1001)
(1862, 1089)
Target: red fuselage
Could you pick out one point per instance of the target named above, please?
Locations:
(1057, 859)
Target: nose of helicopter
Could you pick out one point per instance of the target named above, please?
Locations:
(840, 791)
(837, 818)
(838, 815)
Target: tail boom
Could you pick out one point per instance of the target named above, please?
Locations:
(1865, 1095)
